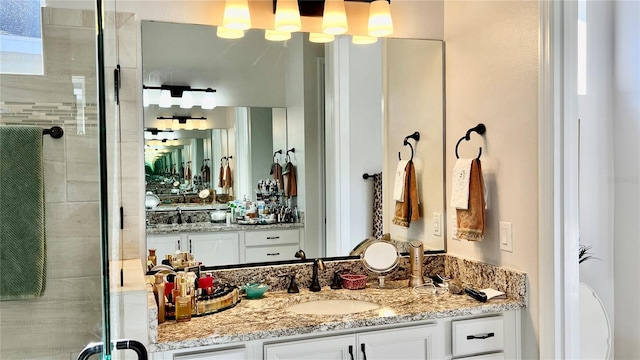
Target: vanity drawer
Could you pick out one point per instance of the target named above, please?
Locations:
(270, 253)
(474, 336)
(272, 237)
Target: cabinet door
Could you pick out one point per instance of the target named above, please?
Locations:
(221, 248)
(164, 245)
(415, 342)
(270, 253)
(328, 348)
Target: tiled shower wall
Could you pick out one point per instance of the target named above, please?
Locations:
(68, 316)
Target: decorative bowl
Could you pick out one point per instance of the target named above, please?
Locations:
(354, 282)
(255, 290)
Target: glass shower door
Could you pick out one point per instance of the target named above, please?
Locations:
(48, 78)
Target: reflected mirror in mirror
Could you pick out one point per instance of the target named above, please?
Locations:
(291, 81)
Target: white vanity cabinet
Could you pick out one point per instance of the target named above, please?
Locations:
(220, 248)
(407, 343)
(165, 244)
(271, 244)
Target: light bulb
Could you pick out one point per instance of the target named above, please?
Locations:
(236, 15)
(363, 40)
(334, 18)
(208, 101)
(287, 16)
(320, 38)
(186, 102)
(165, 98)
(275, 35)
(145, 97)
(380, 22)
(226, 33)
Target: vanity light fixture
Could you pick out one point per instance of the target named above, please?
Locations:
(287, 16)
(186, 101)
(380, 22)
(236, 15)
(184, 92)
(275, 35)
(226, 33)
(363, 40)
(334, 18)
(320, 38)
(182, 122)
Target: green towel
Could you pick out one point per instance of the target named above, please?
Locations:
(22, 235)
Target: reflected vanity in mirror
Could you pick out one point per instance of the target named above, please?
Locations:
(268, 108)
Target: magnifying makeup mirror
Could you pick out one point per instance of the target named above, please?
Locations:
(380, 257)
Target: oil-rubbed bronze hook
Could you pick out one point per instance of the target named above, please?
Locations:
(480, 129)
(415, 136)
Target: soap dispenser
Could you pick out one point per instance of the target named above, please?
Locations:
(416, 258)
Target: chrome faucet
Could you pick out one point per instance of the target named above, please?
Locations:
(315, 284)
(179, 215)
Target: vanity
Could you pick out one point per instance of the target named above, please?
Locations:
(404, 324)
(219, 244)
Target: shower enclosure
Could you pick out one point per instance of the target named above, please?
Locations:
(57, 69)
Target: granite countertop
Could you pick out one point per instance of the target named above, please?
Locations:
(160, 229)
(267, 318)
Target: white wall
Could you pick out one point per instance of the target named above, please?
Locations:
(492, 77)
(626, 180)
(595, 110)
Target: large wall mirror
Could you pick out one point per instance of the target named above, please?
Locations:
(259, 88)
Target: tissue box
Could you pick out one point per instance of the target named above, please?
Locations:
(354, 282)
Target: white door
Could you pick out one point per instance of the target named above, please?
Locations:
(164, 245)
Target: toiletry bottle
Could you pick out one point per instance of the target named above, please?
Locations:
(152, 257)
(183, 303)
(158, 291)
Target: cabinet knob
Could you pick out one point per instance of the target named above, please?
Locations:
(351, 351)
(481, 337)
(273, 237)
(273, 254)
(364, 354)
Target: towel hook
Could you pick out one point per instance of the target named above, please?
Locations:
(415, 136)
(275, 153)
(480, 129)
(287, 158)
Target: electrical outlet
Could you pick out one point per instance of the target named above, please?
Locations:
(454, 227)
(506, 239)
(437, 224)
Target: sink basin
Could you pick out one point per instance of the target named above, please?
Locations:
(332, 307)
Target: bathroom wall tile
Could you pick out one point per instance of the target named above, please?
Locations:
(129, 89)
(88, 18)
(82, 157)
(81, 191)
(73, 219)
(128, 38)
(62, 322)
(133, 239)
(65, 17)
(55, 180)
(53, 149)
(130, 118)
(73, 256)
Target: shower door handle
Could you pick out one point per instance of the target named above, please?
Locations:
(98, 347)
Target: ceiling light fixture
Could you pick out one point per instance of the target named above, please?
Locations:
(275, 35)
(334, 18)
(320, 38)
(184, 92)
(380, 22)
(226, 33)
(287, 16)
(236, 15)
(363, 40)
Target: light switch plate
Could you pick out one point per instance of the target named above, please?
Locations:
(506, 238)
(454, 227)
(437, 224)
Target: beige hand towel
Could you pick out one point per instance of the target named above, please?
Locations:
(471, 222)
(221, 176)
(408, 211)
